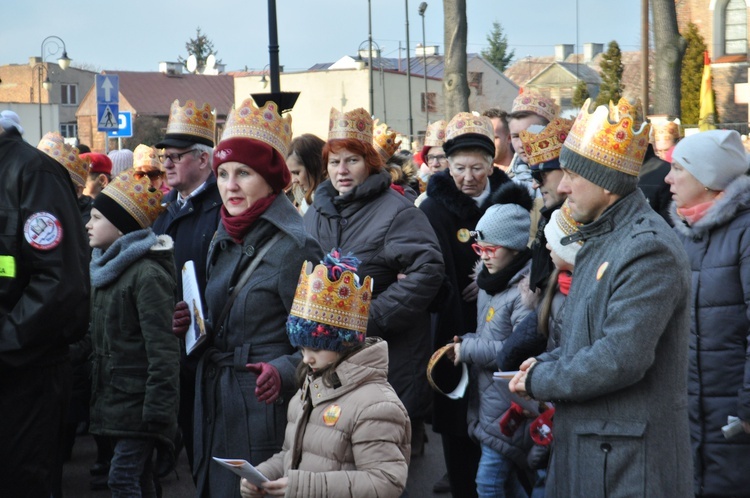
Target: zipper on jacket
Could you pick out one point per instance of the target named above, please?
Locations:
(606, 448)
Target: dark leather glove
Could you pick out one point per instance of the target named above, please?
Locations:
(181, 319)
(268, 383)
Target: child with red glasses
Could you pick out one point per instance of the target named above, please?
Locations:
(502, 235)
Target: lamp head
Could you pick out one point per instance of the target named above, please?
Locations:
(47, 84)
(422, 8)
(64, 61)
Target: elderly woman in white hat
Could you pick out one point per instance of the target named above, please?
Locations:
(711, 193)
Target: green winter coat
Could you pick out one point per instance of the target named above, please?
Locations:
(135, 372)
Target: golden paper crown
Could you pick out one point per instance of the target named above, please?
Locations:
(545, 145)
(54, 146)
(146, 157)
(614, 136)
(343, 303)
(384, 140)
(355, 124)
(467, 122)
(536, 103)
(664, 130)
(264, 124)
(566, 223)
(192, 122)
(136, 196)
(435, 134)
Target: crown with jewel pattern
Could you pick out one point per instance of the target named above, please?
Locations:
(563, 225)
(467, 122)
(664, 130)
(146, 157)
(134, 195)
(384, 140)
(53, 144)
(536, 103)
(545, 145)
(264, 124)
(355, 124)
(192, 123)
(435, 134)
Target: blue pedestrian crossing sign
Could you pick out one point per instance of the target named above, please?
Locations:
(106, 117)
(107, 102)
(125, 126)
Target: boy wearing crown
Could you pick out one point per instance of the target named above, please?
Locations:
(619, 377)
(135, 372)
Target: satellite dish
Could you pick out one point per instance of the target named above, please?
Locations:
(192, 63)
(210, 61)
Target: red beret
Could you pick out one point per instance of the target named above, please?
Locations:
(99, 163)
(261, 157)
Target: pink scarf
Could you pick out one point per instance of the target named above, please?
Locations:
(694, 214)
(564, 279)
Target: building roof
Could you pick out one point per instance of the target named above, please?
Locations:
(152, 93)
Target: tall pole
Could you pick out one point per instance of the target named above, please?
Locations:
(369, 34)
(408, 73)
(273, 47)
(39, 73)
(422, 9)
(644, 55)
(63, 61)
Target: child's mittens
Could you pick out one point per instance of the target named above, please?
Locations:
(180, 319)
(268, 383)
(511, 419)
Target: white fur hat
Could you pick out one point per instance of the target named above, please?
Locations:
(9, 119)
(715, 157)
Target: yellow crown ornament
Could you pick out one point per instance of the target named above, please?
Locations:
(467, 122)
(135, 196)
(355, 124)
(435, 134)
(536, 103)
(146, 157)
(384, 140)
(54, 146)
(545, 145)
(192, 123)
(264, 124)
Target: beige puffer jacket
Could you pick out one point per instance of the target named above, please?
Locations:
(362, 451)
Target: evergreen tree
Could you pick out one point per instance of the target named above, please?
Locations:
(611, 66)
(692, 74)
(497, 54)
(201, 47)
(580, 94)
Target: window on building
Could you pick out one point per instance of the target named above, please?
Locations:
(69, 94)
(69, 130)
(431, 102)
(475, 81)
(735, 27)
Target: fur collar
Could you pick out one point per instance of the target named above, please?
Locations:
(736, 198)
(442, 189)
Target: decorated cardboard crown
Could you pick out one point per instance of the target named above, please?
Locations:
(614, 136)
(435, 134)
(330, 306)
(146, 158)
(664, 130)
(355, 124)
(563, 225)
(445, 377)
(536, 103)
(264, 124)
(54, 146)
(135, 196)
(384, 140)
(192, 123)
(545, 145)
(466, 122)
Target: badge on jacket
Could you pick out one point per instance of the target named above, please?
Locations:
(601, 270)
(490, 314)
(331, 415)
(463, 235)
(43, 231)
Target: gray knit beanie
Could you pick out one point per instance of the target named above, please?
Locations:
(715, 157)
(507, 222)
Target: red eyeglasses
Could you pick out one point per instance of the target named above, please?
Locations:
(488, 250)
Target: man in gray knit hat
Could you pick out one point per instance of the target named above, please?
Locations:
(619, 379)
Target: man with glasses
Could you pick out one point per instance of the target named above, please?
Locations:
(191, 218)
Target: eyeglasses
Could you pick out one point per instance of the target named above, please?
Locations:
(439, 158)
(488, 250)
(152, 175)
(175, 158)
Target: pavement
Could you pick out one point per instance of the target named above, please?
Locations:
(424, 471)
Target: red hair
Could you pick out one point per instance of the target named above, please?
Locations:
(373, 161)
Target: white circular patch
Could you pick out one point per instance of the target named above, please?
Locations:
(43, 231)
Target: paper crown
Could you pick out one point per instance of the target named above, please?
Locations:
(355, 124)
(54, 146)
(146, 157)
(384, 140)
(329, 313)
(614, 136)
(192, 123)
(664, 130)
(135, 196)
(562, 225)
(467, 122)
(264, 124)
(446, 378)
(435, 134)
(545, 145)
(536, 103)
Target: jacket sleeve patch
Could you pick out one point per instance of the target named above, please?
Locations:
(7, 267)
(43, 231)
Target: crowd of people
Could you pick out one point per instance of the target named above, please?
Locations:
(352, 295)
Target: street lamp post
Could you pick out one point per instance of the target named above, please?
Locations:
(408, 74)
(63, 61)
(422, 9)
(382, 79)
(369, 37)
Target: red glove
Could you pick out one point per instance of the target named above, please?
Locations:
(181, 319)
(541, 428)
(268, 383)
(511, 419)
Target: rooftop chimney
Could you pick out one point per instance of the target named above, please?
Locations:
(591, 50)
(563, 51)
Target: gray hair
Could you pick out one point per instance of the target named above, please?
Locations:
(208, 150)
(472, 150)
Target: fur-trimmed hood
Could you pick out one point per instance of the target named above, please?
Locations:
(736, 198)
(442, 189)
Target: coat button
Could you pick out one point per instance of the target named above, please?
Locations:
(342, 222)
(249, 251)
(316, 386)
(318, 395)
(606, 447)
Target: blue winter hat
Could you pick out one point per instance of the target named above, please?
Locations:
(330, 308)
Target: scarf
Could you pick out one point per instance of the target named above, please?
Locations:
(498, 282)
(238, 226)
(107, 266)
(564, 279)
(694, 214)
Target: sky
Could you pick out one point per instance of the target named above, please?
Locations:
(135, 35)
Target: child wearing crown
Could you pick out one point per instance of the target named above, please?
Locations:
(347, 433)
(135, 371)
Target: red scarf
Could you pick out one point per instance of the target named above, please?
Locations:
(564, 279)
(238, 226)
